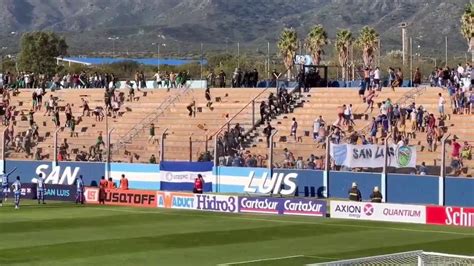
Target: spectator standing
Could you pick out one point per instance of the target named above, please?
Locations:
(152, 136)
(267, 131)
(441, 103)
(198, 184)
(294, 128)
(377, 79)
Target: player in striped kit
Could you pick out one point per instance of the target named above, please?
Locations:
(16, 188)
(79, 190)
(40, 189)
(4, 188)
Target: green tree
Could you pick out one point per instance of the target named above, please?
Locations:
(315, 41)
(344, 42)
(288, 45)
(368, 40)
(467, 27)
(39, 51)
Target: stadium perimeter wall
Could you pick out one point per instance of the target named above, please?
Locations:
(414, 189)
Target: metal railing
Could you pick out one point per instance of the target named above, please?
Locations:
(152, 117)
(227, 123)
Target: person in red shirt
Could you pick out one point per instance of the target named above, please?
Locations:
(111, 184)
(198, 184)
(124, 183)
(102, 187)
(456, 149)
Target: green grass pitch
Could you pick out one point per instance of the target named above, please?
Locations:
(65, 234)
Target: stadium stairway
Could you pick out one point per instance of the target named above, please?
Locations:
(186, 135)
(88, 129)
(325, 101)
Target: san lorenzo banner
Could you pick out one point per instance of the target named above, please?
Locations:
(378, 212)
(372, 156)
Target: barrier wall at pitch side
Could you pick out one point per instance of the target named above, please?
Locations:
(413, 189)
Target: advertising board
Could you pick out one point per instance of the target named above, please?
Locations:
(286, 206)
(378, 212)
(217, 203)
(91, 194)
(175, 200)
(52, 192)
(132, 198)
(456, 216)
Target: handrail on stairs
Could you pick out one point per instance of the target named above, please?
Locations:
(135, 130)
(234, 116)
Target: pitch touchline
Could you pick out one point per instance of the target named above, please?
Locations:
(258, 260)
(276, 258)
(291, 222)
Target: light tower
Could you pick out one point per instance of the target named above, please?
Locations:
(404, 26)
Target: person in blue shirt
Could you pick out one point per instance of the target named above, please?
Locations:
(79, 190)
(40, 189)
(16, 188)
(4, 188)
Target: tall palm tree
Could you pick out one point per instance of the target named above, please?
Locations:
(368, 40)
(288, 45)
(344, 42)
(315, 41)
(467, 27)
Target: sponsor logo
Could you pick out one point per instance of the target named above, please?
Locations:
(25, 191)
(216, 203)
(304, 207)
(368, 209)
(175, 200)
(378, 212)
(259, 205)
(401, 212)
(91, 194)
(351, 210)
(57, 192)
(180, 177)
(404, 154)
(138, 198)
(456, 216)
(58, 175)
(278, 184)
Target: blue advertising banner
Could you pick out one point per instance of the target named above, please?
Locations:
(284, 206)
(65, 173)
(52, 192)
(180, 176)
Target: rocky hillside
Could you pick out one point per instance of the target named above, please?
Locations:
(88, 23)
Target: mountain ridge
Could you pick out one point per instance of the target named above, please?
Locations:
(88, 23)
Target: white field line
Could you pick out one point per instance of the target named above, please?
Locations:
(289, 222)
(275, 258)
(259, 260)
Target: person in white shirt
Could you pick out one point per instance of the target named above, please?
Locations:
(441, 102)
(317, 124)
(158, 79)
(377, 78)
(294, 127)
(460, 70)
